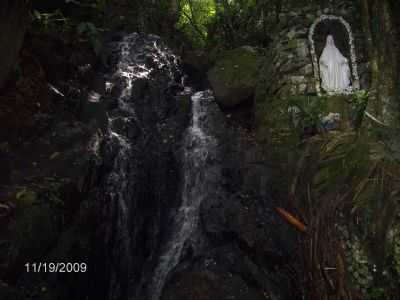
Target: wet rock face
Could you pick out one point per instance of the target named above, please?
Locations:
(183, 206)
(13, 22)
(241, 249)
(147, 113)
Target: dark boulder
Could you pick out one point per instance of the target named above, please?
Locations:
(235, 75)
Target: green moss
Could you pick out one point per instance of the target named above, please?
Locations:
(234, 76)
(243, 61)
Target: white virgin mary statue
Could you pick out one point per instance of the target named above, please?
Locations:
(334, 69)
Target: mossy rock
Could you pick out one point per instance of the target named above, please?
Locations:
(235, 74)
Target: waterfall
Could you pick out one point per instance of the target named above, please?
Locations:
(141, 93)
(199, 147)
(169, 157)
(144, 232)
(118, 187)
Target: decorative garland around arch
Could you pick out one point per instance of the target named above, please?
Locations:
(356, 80)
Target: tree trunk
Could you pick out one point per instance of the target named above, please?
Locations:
(380, 33)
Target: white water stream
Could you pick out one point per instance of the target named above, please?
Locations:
(198, 147)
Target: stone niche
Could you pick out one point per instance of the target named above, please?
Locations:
(291, 63)
(342, 33)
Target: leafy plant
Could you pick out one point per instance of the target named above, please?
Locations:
(376, 293)
(51, 21)
(308, 111)
(89, 31)
(195, 19)
(358, 105)
(46, 191)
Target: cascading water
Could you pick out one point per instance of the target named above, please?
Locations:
(138, 200)
(164, 165)
(199, 147)
(119, 190)
(142, 99)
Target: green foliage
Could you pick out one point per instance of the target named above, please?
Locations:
(358, 106)
(57, 22)
(44, 192)
(27, 194)
(100, 5)
(241, 22)
(228, 24)
(96, 9)
(195, 18)
(336, 178)
(90, 32)
(376, 293)
(309, 111)
(51, 21)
